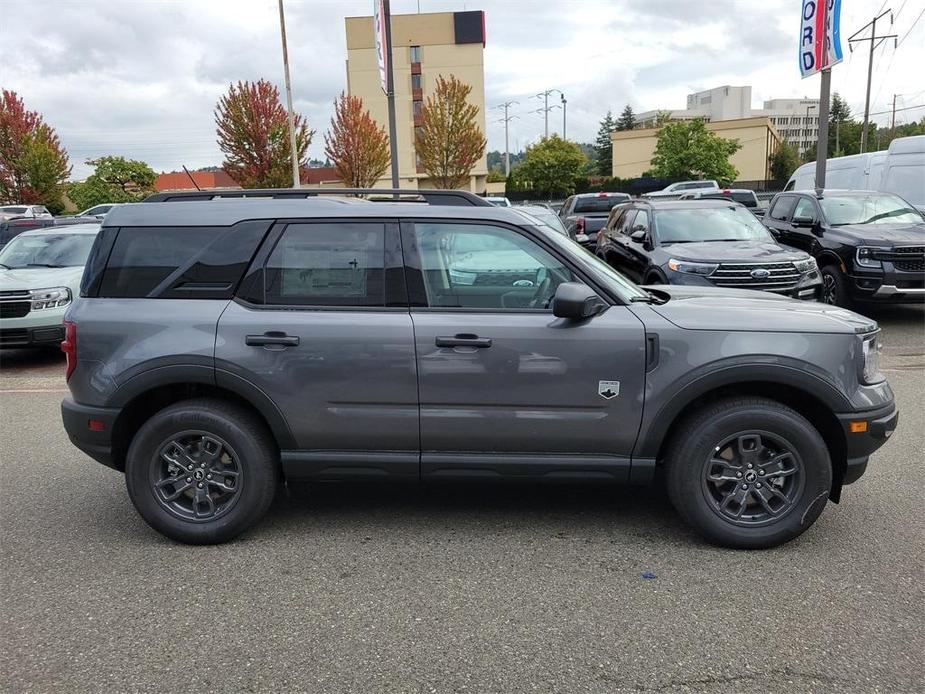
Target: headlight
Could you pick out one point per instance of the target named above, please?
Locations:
(50, 298)
(870, 351)
(804, 266)
(692, 268)
(864, 256)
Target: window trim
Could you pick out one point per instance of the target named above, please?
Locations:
(252, 295)
(412, 263)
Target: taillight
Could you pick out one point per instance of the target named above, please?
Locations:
(69, 347)
(580, 225)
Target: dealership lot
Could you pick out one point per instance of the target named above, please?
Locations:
(444, 589)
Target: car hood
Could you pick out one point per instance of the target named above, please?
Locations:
(494, 261)
(40, 278)
(737, 310)
(756, 251)
(884, 234)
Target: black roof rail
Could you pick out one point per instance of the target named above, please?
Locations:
(453, 198)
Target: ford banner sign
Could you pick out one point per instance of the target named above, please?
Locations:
(820, 38)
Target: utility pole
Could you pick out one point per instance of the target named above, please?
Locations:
(809, 125)
(893, 119)
(296, 182)
(875, 42)
(507, 152)
(564, 104)
(547, 108)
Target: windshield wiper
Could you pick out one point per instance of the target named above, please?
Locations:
(649, 298)
(5, 266)
(43, 265)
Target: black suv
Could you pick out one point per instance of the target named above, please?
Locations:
(704, 243)
(870, 246)
(584, 214)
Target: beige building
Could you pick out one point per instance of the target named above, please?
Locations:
(424, 46)
(633, 149)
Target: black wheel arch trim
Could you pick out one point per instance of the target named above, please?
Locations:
(654, 427)
(200, 374)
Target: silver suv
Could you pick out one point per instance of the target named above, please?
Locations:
(221, 347)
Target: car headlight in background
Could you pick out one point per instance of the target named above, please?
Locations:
(692, 268)
(864, 256)
(50, 298)
(804, 266)
(870, 352)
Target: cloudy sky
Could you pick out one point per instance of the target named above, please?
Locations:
(140, 78)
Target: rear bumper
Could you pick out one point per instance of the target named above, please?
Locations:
(878, 426)
(96, 442)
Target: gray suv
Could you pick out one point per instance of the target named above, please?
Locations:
(221, 347)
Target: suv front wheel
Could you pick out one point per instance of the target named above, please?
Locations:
(749, 473)
(202, 471)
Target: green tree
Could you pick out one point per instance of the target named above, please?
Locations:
(839, 115)
(603, 146)
(449, 142)
(33, 164)
(552, 167)
(253, 134)
(784, 161)
(689, 150)
(115, 179)
(627, 119)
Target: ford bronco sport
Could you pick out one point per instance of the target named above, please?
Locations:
(220, 347)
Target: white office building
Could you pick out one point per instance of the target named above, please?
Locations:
(796, 120)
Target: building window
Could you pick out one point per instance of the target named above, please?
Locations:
(418, 133)
(418, 107)
(415, 54)
(417, 82)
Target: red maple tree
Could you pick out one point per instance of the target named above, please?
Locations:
(253, 134)
(33, 164)
(356, 144)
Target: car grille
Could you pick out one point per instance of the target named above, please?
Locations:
(11, 338)
(15, 304)
(781, 276)
(906, 258)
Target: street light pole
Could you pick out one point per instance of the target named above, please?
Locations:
(808, 123)
(296, 182)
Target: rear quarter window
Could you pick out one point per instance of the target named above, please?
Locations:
(180, 262)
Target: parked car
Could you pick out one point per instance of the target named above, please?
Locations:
(899, 170)
(499, 201)
(544, 215)
(40, 274)
(704, 243)
(11, 228)
(24, 211)
(743, 196)
(869, 246)
(221, 346)
(97, 210)
(675, 190)
(584, 214)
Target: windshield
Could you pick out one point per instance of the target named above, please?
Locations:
(708, 224)
(599, 203)
(876, 208)
(47, 250)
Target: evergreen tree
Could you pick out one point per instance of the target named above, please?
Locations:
(603, 146)
(627, 119)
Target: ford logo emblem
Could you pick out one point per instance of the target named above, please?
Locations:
(760, 273)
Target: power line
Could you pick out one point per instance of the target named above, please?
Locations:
(905, 36)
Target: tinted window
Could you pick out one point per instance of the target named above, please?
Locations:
(480, 266)
(180, 262)
(782, 207)
(599, 203)
(805, 208)
(328, 265)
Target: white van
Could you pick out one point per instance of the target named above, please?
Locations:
(899, 170)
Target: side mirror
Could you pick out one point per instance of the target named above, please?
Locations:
(576, 301)
(804, 222)
(639, 234)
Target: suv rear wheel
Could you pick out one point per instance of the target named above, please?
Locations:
(202, 471)
(749, 473)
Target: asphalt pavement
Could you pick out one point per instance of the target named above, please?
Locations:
(446, 589)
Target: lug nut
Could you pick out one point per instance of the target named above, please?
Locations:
(761, 472)
(758, 484)
(738, 474)
(744, 486)
(189, 467)
(208, 477)
(199, 485)
(189, 479)
(750, 466)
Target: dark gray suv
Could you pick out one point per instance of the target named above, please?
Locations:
(220, 347)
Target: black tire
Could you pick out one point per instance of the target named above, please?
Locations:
(835, 287)
(729, 428)
(655, 278)
(232, 440)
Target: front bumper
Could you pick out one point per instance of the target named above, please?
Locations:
(888, 285)
(46, 336)
(90, 429)
(865, 432)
